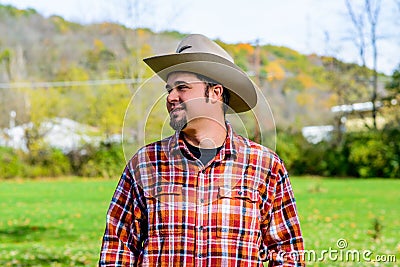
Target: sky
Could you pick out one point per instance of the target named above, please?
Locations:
(322, 27)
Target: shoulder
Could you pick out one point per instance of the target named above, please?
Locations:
(148, 153)
(258, 149)
(266, 159)
(142, 164)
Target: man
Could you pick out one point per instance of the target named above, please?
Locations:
(204, 196)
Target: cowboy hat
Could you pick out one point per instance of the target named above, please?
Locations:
(198, 54)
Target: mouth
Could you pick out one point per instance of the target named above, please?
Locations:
(176, 109)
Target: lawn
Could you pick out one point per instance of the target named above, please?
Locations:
(52, 223)
(61, 222)
(363, 213)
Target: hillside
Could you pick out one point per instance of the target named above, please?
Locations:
(300, 89)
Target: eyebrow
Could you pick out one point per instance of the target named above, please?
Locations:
(168, 87)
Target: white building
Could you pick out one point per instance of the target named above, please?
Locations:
(61, 133)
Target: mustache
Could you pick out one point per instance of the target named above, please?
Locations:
(181, 106)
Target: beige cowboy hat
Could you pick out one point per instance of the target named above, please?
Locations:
(198, 54)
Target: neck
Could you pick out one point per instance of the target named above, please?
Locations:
(205, 133)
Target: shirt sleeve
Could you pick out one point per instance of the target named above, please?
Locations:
(281, 227)
(123, 237)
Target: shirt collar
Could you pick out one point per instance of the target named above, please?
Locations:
(177, 146)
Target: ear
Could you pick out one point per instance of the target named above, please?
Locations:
(216, 93)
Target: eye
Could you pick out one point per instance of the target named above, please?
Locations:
(181, 87)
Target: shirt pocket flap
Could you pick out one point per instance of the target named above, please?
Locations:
(167, 189)
(240, 192)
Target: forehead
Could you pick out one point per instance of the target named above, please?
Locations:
(181, 76)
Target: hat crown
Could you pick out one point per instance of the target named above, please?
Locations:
(198, 54)
(198, 43)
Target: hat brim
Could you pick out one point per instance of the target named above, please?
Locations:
(243, 96)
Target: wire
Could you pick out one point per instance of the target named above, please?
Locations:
(33, 85)
(67, 83)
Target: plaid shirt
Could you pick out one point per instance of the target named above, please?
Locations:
(170, 210)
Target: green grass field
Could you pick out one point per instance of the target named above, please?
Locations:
(61, 222)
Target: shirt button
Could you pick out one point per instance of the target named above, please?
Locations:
(201, 228)
(200, 255)
(240, 193)
(202, 200)
(159, 189)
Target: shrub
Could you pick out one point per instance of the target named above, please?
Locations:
(40, 162)
(105, 161)
(289, 148)
(44, 161)
(301, 157)
(374, 153)
(10, 163)
(362, 154)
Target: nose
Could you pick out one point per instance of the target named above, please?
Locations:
(173, 96)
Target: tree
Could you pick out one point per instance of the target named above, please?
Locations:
(365, 24)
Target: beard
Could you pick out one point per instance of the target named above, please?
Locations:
(178, 122)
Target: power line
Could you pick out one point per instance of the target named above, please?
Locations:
(68, 83)
(34, 85)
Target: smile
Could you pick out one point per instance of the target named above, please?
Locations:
(177, 109)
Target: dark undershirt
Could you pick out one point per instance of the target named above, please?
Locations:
(203, 154)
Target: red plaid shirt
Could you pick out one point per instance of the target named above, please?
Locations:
(170, 210)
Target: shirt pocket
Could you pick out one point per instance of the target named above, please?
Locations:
(238, 215)
(165, 210)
